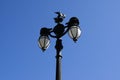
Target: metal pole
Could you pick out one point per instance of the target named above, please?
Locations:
(58, 47)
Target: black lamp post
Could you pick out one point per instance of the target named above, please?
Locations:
(73, 29)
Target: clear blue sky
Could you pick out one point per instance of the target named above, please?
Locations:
(96, 55)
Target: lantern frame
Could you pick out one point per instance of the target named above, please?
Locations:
(74, 32)
(43, 42)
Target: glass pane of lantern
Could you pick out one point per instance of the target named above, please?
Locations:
(74, 32)
(44, 42)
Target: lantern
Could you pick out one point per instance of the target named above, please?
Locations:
(74, 32)
(43, 42)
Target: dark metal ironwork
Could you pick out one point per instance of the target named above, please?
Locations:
(59, 30)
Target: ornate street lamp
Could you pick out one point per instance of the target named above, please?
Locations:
(73, 29)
